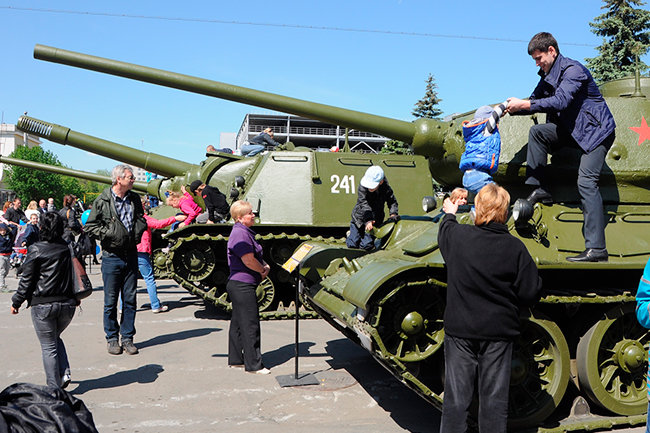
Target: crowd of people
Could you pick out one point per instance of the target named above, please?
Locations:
(486, 293)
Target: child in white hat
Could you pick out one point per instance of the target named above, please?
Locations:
(374, 192)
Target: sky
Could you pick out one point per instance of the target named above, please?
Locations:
(370, 56)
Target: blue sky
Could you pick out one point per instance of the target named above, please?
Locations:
(475, 50)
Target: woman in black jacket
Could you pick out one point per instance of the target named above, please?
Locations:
(68, 212)
(47, 286)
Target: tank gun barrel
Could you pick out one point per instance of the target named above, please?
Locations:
(420, 133)
(152, 162)
(142, 187)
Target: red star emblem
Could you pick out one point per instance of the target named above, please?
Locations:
(643, 131)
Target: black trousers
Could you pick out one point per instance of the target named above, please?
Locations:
(244, 334)
(473, 361)
(541, 140)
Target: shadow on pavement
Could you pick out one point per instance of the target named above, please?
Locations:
(145, 374)
(283, 354)
(408, 410)
(177, 336)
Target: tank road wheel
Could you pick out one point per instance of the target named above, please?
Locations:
(265, 292)
(612, 361)
(194, 260)
(159, 261)
(540, 372)
(409, 321)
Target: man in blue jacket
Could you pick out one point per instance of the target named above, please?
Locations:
(577, 114)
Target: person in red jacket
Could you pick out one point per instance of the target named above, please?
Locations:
(144, 259)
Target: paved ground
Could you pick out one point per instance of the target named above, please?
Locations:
(180, 379)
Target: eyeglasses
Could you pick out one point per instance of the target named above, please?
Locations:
(129, 177)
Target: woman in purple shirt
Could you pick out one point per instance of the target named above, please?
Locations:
(247, 270)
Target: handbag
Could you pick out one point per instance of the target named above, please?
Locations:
(82, 287)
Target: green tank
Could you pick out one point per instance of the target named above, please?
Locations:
(580, 343)
(298, 195)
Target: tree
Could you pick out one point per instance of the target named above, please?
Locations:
(396, 146)
(427, 106)
(32, 184)
(625, 31)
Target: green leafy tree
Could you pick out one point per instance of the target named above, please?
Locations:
(427, 106)
(396, 146)
(32, 184)
(625, 31)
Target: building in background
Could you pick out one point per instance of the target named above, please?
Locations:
(10, 138)
(306, 132)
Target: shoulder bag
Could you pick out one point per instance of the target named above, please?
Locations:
(81, 283)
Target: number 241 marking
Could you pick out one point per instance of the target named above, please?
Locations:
(343, 183)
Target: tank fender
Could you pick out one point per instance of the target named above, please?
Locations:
(363, 284)
(314, 264)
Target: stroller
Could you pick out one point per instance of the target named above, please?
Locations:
(17, 258)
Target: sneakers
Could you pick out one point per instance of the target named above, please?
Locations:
(129, 347)
(65, 381)
(236, 365)
(114, 347)
(162, 309)
(264, 370)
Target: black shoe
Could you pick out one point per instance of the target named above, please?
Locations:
(540, 196)
(129, 347)
(114, 347)
(590, 255)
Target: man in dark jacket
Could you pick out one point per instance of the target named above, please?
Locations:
(490, 277)
(374, 193)
(577, 116)
(117, 220)
(215, 202)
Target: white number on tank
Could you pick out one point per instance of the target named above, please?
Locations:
(346, 184)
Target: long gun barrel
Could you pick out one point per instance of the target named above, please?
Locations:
(421, 134)
(162, 165)
(142, 187)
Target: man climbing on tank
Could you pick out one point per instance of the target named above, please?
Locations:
(258, 143)
(373, 193)
(577, 115)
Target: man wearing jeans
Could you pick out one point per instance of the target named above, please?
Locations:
(117, 221)
(577, 116)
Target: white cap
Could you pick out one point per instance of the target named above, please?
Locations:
(373, 176)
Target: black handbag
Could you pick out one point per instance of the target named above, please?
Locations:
(81, 283)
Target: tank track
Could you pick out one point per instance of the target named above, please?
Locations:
(424, 376)
(210, 285)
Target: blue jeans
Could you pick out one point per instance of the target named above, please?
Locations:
(120, 277)
(251, 149)
(474, 180)
(50, 320)
(146, 270)
(360, 238)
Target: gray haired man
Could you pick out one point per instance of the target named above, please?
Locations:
(117, 220)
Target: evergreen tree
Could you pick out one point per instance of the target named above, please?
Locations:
(396, 146)
(427, 106)
(625, 31)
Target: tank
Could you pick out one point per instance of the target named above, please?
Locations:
(297, 196)
(580, 344)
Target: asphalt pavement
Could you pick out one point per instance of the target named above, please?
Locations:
(180, 379)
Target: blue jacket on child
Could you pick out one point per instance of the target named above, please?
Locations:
(481, 151)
